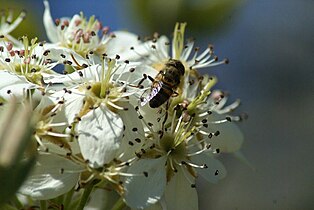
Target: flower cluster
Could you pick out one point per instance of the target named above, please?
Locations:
(117, 117)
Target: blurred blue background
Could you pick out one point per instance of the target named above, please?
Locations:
(270, 45)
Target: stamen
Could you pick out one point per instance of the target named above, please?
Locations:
(114, 105)
(192, 165)
(57, 134)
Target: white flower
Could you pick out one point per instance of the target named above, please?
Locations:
(84, 35)
(176, 149)
(183, 140)
(28, 60)
(95, 102)
(22, 69)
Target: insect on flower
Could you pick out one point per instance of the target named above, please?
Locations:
(164, 84)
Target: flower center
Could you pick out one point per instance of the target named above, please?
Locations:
(81, 34)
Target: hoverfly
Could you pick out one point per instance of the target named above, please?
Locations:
(164, 84)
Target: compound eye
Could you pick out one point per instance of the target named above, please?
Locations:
(180, 66)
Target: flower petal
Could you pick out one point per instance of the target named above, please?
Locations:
(91, 73)
(12, 84)
(51, 28)
(230, 137)
(140, 191)
(7, 78)
(100, 133)
(132, 141)
(52, 176)
(215, 169)
(121, 44)
(58, 53)
(179, 194)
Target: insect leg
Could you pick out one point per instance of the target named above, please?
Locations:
(151, 79)
(139, 85)
(165, 119)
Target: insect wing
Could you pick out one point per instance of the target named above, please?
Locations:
(152, 94)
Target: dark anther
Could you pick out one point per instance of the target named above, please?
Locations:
(46, 52)
(216, 172)
(132, 69)
(138, 155)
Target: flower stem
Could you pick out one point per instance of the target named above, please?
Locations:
(68, 198)
(119, 204)
(86, 193)
(43, 205)
(17, 202)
